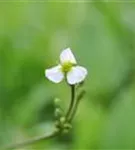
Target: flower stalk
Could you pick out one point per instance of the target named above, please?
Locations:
(63, 125)
(72, 101)
(32, 141)
(79, 97)
(75, 76)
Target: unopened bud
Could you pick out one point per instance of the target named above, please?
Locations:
(67, 126)
(58, 112)
(62, 120)
(57, 129)
(57, 102)
(57, 124)
(65, 131)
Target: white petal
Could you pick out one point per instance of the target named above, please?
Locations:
(76, 75)
(54, 74)
(67, 56)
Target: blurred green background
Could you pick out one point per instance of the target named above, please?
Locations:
(102, 37)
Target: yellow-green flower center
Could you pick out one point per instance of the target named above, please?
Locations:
(66, 67)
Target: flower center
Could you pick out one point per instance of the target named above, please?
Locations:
(66, 67)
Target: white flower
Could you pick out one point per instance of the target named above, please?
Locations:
(67, 68)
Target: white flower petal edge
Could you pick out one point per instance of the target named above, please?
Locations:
(67, 56)
(54, 74)
(76, 75)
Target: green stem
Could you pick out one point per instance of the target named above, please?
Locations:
(71, 102)
(69, 116)
(33, 140)
(79, 97)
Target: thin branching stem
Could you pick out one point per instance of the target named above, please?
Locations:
(71, 102)
(33, 140)
(69, 117)
(79, 97)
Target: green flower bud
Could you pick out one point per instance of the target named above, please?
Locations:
(67, 126)
(57, 102)
(58, 112)
(57, 124)
(65, 131)
(62, 120)
(57, 129)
